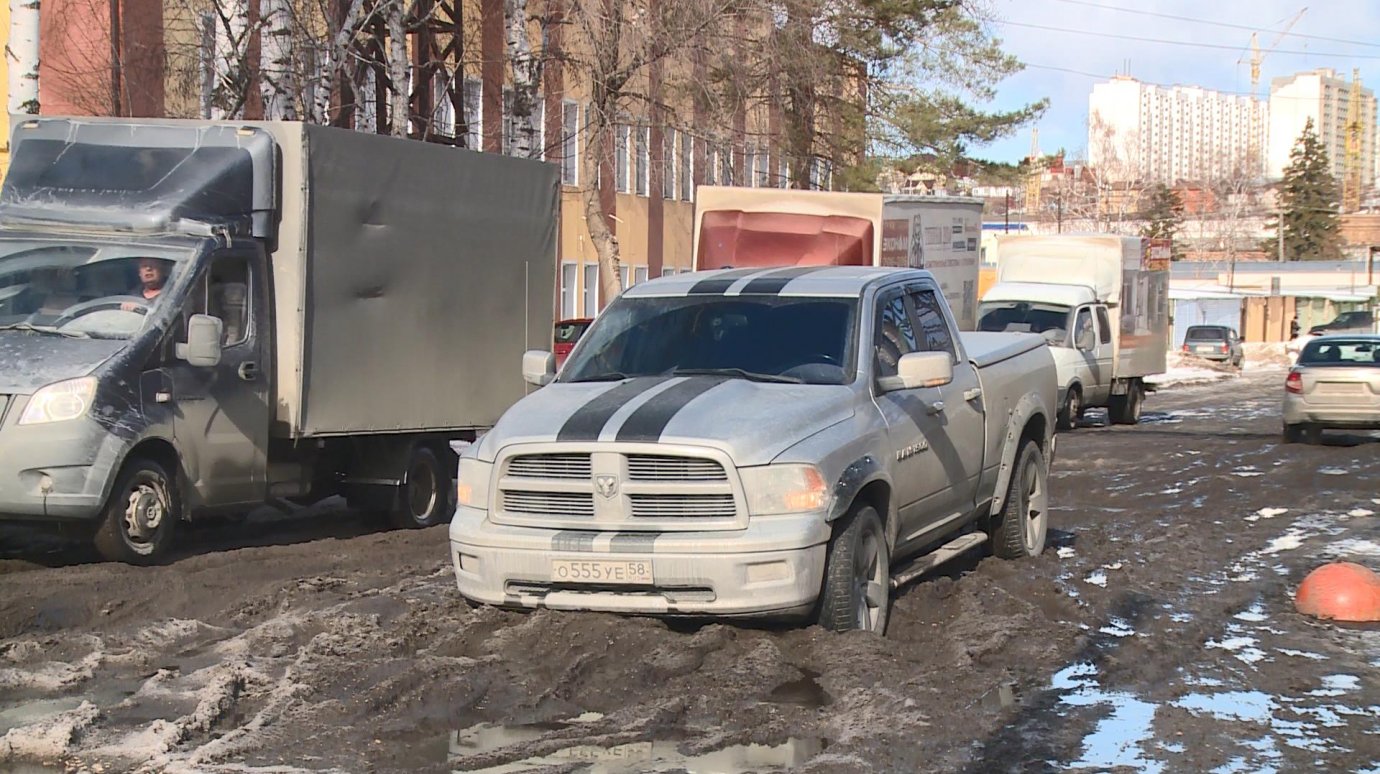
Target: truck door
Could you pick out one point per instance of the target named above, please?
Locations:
(222, 413)
(1085, 366)
(1104, 354)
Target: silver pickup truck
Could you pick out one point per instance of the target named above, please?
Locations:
(748, 442)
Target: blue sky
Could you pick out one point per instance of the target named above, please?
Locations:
(1065, 123)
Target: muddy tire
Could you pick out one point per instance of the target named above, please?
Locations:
(1024, 522)
(857, 575)
(1071, 411)
(141, 516)
(1125, 409)
(427, 495)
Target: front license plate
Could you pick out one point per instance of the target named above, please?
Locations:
(593, 571)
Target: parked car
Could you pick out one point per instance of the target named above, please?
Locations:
(568, 332)
(1214, 342)
(1335, 384)
(1361, 321)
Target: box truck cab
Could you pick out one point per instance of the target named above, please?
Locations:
(1102, 303)
(199, 317)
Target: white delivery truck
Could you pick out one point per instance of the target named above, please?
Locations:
(1102, 302)
(766, 227)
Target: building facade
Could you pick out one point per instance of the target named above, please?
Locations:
(1326, 99)
(1171, 134)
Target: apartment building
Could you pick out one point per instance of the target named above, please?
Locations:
(1170, 134)
(1326, 99)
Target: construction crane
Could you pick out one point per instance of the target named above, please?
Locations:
(1257, 55)
(1351, 164)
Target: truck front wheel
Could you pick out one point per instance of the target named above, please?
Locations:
(140, 518)
(425, 498)
(857, 576)
(1024, 520)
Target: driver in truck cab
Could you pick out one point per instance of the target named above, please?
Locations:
(153, 275)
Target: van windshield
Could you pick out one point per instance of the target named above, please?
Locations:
(757, 337)
(84, 290)
(1050, 320)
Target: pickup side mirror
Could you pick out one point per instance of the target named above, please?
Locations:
(920, 369)
(203, 341)
(538, 367)
(1087, 340)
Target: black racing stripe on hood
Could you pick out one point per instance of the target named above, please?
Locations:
(589, 420)
(774, 282)
(720, 283)
(651, 418)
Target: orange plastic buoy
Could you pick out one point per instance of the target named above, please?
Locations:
(1341, 591)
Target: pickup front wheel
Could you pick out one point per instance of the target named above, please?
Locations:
(1025, 515)
(857, 575)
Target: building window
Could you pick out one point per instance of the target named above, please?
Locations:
(570, 143)
(591, 289)
(711, 164)
(472, 98)
(624, 274)
(750, 166)
(726, 165)
(639, 274)
(644, 149)
(443, 115)
(621, 133)
(668, 164)
(687, 167)
(570, 275)
(763, 168)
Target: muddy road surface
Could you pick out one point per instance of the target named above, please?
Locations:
(1156, 633)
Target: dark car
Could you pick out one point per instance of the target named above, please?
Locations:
(1362, 321)
(1214, 342)
(567, 333)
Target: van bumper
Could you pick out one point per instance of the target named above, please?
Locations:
(56, 472)
(774, 568)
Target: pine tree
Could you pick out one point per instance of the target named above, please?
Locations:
(1165, 214)
(1308, 196)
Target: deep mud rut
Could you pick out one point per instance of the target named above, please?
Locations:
(1155, 633)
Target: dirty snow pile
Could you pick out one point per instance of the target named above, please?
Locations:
(1266, 356)
(1182, 369)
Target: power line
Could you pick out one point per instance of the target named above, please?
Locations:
(1192, 44)
(1215, 23)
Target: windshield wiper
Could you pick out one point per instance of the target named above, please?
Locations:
(739, 372)
(44, 329)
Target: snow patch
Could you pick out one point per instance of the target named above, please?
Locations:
(1334, 472)
(1097, 578)
(1065, 552)
(49, 738)
(1353, 547)
(1360, 513)
(1287, 542)
(1267, 513)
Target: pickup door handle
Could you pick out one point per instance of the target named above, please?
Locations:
(935, 408)
(972, 394)
(249, 371)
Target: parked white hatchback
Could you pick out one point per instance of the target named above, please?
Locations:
(1334, 384)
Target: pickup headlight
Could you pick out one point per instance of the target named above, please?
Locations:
(778, 489)
(60, 402)
(472, 483)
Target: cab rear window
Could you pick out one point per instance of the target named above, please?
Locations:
(569, 332)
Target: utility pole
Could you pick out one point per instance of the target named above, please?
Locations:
(1007, 211)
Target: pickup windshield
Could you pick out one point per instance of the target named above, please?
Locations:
(762, 338)
(103, 291)
(1050, 320)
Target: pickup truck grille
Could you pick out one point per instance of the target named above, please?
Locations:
(618, 487)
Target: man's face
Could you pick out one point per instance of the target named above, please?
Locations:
(151, 273)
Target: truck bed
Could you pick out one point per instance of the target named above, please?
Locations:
(987, 349)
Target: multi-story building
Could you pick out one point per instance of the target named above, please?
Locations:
(1325, 98)
(1169, 134)
(172, 57)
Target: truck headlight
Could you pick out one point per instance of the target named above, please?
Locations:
(777, 489)
(60, 402)
(472, 483)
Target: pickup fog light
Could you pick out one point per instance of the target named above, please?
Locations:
(777, 489)
(60, 402)
(472, 483)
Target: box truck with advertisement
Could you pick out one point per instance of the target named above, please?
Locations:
(1102, 302)
(765, 227)
(199, 317)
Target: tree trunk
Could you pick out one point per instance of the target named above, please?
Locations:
(526, 81)
(399, 118)
(21, 56)
(605, 242)
(231, 51)
(333, 58)
(277, 73)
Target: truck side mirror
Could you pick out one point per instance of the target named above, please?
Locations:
(203, 341)
(920, 369)
(538, 367)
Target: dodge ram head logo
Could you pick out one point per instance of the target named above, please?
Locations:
(606, 485)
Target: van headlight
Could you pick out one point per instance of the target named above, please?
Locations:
(472, 483)
(776, 489)
(60, 402)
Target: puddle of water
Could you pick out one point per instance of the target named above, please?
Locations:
(1117, 739)
(1250, 706)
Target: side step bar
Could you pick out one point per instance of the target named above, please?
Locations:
(923, 564)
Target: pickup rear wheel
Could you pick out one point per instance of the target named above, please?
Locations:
(139, 520)
(857, 575)
(1024, 520)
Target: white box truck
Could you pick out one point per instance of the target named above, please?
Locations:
(1102, 302)
(764, 227)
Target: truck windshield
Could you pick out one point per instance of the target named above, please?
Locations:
(83, 290)
(763, 338)
(1051, 320)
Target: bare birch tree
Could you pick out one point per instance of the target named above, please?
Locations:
(277, 59)
(21, 55)
(527, 70)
